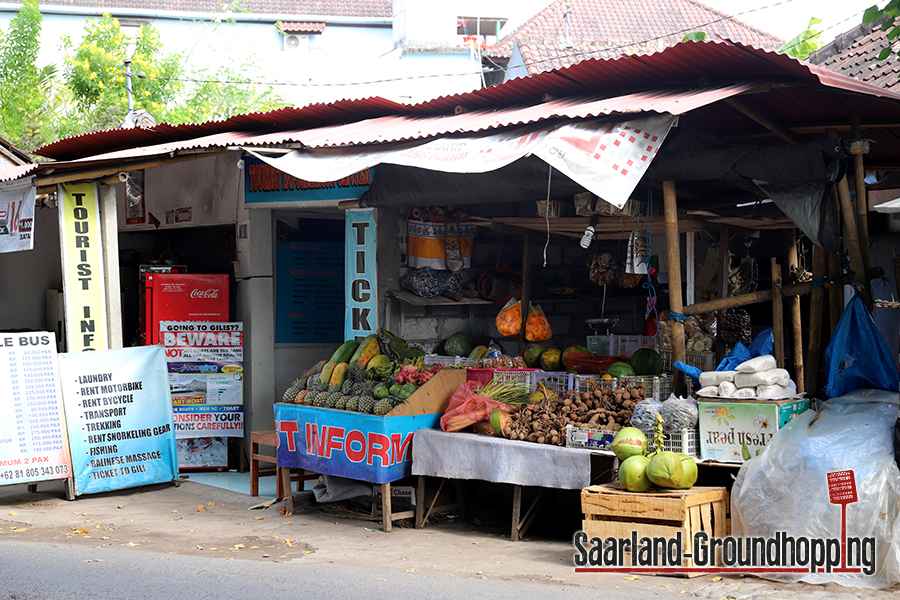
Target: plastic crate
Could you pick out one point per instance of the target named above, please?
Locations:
(686, 441)
(657, 387)
(516, 376)
(448, 361)
(558, 381)
(625, 345)
(592, 439)
(705, 361)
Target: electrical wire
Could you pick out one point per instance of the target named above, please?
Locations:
(551, 60)
(547, 214)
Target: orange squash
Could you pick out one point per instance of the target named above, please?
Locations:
(509, 321)
(537, 327)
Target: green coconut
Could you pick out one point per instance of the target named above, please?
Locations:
(689, 476)
(630, 441)
(665, 469)
(633, 473)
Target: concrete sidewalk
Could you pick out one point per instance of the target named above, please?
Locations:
(201, 520)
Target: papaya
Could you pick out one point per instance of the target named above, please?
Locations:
(325, 375)
(478, 352)
(533, 355)
(377, 361)
(338, 375)
(368, 349)
(551, 360)
(573, 350)
(344, 351)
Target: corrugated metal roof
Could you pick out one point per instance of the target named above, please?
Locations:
(680, 79)
(17, 172)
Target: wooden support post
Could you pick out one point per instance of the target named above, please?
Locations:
(816, 307)
(777, 314)
(724, 241)
(835, 295)
(673, 254)
(851, 238)
(386, 516)
(862, 201)
(526, 289)
(793, 262)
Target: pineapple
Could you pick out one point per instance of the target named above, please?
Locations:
(396, 401)
(291, 393)
(341, 403)
(311, 381)
(382, 407)
(353, 381)
(352, 403)
(331, 399)
(366, 404)
(367, 388)
(301, 397)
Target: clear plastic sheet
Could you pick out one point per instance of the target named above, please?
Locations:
(785, 487)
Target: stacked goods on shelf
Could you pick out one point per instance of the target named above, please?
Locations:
(758, 377)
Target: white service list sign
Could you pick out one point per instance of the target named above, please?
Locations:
(33, 444)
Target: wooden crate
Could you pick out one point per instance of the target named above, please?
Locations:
(611, 511)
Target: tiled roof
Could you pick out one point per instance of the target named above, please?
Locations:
(855, 54)
(302, 27)
(608, 28)
(324, 8)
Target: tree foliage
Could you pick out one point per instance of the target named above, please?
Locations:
(888, 18)
(40, 105)
(804, 43)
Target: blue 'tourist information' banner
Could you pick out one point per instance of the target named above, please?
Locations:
(361, 291)
(119, 417)
(357, 446)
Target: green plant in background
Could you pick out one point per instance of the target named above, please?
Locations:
(888, 17)
(804, 43)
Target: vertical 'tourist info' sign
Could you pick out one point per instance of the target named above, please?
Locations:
(33, 445)
(362, 294)
(81, 245)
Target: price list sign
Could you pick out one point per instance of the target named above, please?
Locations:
(33, 444)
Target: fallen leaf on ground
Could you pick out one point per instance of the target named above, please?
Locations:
(93, 560)
(200, 508)
(211, 503)
(479, 573)
(238, 546)
(411, 570)
(288, 541)
(716, 579)
(174, 511)
(81, 531)
(19, 529)
(259, 518)
(12, 512)
(380, 579)
(121, 506)
(632, 578)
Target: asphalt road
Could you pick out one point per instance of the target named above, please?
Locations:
(40, 571)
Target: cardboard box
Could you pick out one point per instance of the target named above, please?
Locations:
(399, 493)
(732, 429)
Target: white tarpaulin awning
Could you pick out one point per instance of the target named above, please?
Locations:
(606, 157)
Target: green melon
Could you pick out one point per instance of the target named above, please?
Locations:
(573, 350)
(459, 344)
(646, 361)
(533, 355)
(620, 369)
(551, 360)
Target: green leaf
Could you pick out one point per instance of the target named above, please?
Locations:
(695, 36)
(885, 52)
(872, 14)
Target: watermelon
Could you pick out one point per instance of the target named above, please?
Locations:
(646, 361)
(573, 350)
(551, 360)
(620, 369)
(533, 355)
(459, 344)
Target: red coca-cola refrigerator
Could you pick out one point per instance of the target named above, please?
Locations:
(182, 297)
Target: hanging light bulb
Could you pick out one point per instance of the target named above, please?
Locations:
(587, 237)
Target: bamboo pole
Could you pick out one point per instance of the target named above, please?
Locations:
(724, 238)
(796, 289)
(777, 314)
(816, 307)
(862, 202)
(526, 290)
(673, 254)
(793, 261)
(851, 239)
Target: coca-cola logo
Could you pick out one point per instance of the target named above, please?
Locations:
(205, 294)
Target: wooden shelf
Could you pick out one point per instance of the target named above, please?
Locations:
(414, 300)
